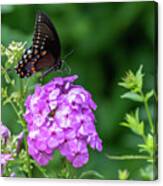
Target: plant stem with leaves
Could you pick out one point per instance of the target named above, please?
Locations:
(147, 150)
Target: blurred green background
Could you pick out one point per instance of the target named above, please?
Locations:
(107, 39)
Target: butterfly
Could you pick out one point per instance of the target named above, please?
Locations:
(45, 52)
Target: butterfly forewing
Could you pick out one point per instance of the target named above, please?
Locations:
(45, 32)
(45, 50)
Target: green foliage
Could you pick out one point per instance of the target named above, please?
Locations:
(149, 146)
(13, 52)
(21, 165)
(148, 173)
(12, 55)
(132, 122)
(134, 82)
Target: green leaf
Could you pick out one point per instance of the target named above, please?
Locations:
(3, 49)
(149, 146)
(132, 96)
(6, 101)
(15, 95)
(91, 174)
(132, 122)
(149, 95)
(133, 82)
(13, 82)
(123, 174)
(4, 92)
(139, 77)
(7, 78)
(149, 172)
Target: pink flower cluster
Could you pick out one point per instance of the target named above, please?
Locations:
(59, 117)
(4, 157)
(5, 133)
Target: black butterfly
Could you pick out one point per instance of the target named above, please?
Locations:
(44, 54)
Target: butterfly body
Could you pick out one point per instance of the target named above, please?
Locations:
(44, 54)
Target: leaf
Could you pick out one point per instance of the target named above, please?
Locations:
(139, 77)
(149, 172)
(123, 174)
(149, 145)
(3, 49)
(132, 96)
(4, 92)
(132, 122)
(133, 82)
(7, 78)
(139, 72)
(90, 174)
(15, 95)
(149, 95)
(6, 101)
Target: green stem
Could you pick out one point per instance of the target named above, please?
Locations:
(128, 157)
(7, 76)
(28, 158)
(40, 169)
(25, 142)
(26, 86)
(17, 113)
(25, 130)
(148, 113)
(22, 94)
(21, 90)
(149, 116)
(156, 97)
(70, 170)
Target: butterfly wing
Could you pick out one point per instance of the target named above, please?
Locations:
(45, 35)
(45, 50)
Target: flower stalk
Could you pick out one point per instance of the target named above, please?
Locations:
(151, 125)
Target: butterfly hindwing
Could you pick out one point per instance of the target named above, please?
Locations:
(45, 50)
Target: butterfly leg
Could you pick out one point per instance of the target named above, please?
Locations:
(47, 72)
(67, 69)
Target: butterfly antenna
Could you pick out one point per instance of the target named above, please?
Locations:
(66, 67)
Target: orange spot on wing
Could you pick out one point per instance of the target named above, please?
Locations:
(22, 73)
(36, 52)
(33, 69)
(30, 56)
(43, 52)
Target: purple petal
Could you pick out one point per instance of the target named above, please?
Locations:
(80, 160)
